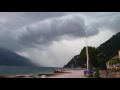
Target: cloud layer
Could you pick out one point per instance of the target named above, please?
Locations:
(25, 31)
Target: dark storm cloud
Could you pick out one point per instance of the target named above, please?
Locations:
(18, 30)
(114, 24)
(109, 21)
(12, 22)
(46, 32)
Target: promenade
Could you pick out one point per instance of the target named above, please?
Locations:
(69, 74)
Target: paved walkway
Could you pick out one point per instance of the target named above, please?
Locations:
(70, 74)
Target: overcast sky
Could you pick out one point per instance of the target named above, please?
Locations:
(51, 39)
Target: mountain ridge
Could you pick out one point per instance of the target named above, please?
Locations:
(8, 57)
(109, 48)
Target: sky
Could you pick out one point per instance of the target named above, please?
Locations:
(52, 39)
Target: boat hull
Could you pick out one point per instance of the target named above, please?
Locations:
(88, 73)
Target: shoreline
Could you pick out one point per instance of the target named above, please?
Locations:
(69, 74)
(65, 73)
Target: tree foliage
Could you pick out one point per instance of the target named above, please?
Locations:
(93, 55)
(114, 61)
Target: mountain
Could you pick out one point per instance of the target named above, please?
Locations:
(8, 57)
(74, 62)
(111, 47)
(108, 50)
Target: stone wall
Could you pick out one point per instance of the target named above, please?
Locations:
(109, 74)
(112, 74)
(103, 73)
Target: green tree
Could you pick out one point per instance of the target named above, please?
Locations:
(110, 62)
(118, 60)
(93, 56)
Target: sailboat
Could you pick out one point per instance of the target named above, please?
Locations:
(88, 72)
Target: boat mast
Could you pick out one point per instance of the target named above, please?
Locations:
(87, 50)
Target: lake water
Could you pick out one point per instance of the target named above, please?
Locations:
(22, 70)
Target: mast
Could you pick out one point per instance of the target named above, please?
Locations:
(87, 51)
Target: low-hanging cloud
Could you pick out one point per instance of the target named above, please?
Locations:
(28, 29)
(50, 30)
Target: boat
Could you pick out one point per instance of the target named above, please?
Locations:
(88, 72)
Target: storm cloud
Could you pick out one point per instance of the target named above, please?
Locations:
(51, 30)
(24, 32)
